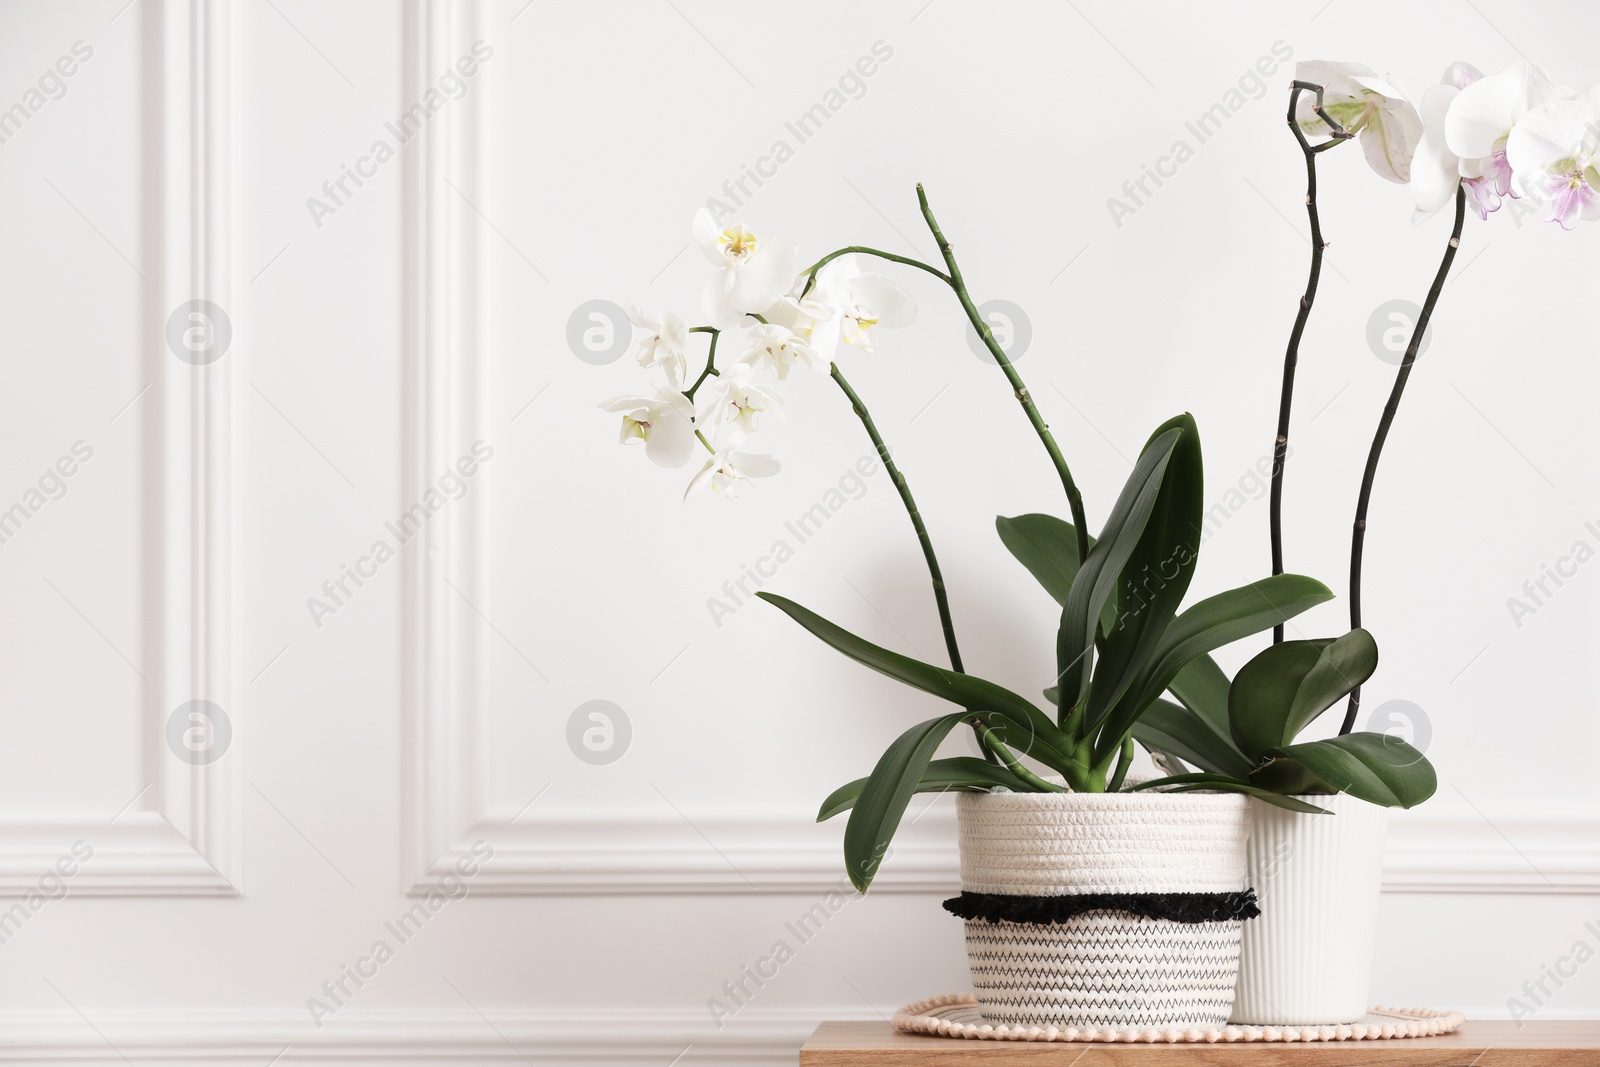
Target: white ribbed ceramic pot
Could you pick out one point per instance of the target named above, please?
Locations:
(1308, 957)
(1109, 967)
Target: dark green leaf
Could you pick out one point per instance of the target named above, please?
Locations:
(957, 773)
(1289, 778)
(1048, 547)
(883, 799)
(1097, 578)
(1189, 783)
(1168, 727)
(1279, 692)
(1157, 575)
(1208, 625)
(1202, 687)
(966, 690)
(1377, 768)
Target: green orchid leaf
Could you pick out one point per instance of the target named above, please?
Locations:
(1157, 574)
(1044, 739)
(1378, 768)
(1189, 783)
(1289, 778)
(1098, 577)
(956, 774)
(1205, 627)
(1173, 729)
(1048, 547)
(1286, 686)
(1202, 687)
(888, 790)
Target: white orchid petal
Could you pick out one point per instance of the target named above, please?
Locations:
(1331, 75)
(1545, 135)
(1461, 74)
(702, 478)
(890, 303)
(1435, 170)
(705, 230)
(1390, 140)
(1381, 86)
(1480, 116)
(754, 464)
(671, 440)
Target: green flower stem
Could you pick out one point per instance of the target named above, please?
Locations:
(904, 489)
(1074, 498)
(994, 744)
(811, 271)
(1358, 536)
(711, 360)
(1291, 358)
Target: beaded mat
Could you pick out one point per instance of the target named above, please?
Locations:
(957, 1015)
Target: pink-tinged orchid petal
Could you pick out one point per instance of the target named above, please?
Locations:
(1460, 74)
(1484, 198)
(1552, 152)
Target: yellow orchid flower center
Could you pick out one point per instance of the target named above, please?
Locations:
(736, 242)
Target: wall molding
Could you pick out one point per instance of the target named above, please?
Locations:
(446, 594)
(181, 836)
(650, 853)
(414, 1036)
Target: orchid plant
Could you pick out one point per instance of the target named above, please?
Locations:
(1488, 139)
(1123, 641)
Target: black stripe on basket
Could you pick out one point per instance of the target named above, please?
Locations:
(1174, 907)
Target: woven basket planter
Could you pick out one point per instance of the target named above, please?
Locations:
(1103, 909)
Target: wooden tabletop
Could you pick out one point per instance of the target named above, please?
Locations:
(1477, 1044)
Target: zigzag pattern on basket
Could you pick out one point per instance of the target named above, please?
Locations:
(1104, 970)
(1056, 893)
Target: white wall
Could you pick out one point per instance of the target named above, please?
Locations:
(374, 343)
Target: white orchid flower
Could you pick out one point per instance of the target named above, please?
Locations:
(845, 306)
(666, 344)
(727, 472)
(733, 408)
(779, 349)
(663, 424)
(1554, 150)
(751, 272)
(1436, 170)
(1478, 125)
(1367, 106)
